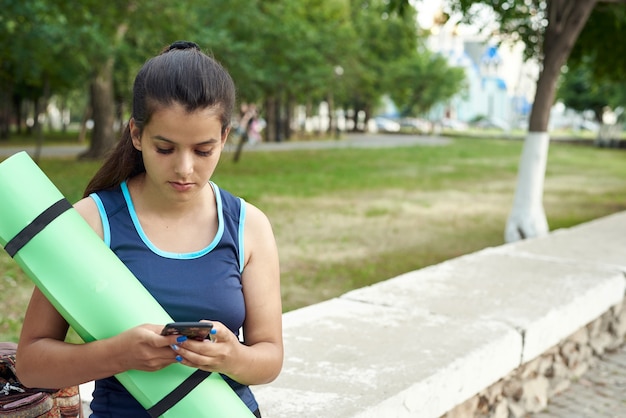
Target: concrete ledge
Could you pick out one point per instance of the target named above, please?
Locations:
(421, 343)
(345, 356)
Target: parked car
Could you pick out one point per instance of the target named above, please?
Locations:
(492, 123)
(415, 125)
(453, 124)
(383, 124)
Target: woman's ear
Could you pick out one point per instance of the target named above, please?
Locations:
(135, 134)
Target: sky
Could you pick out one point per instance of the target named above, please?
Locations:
(426, 10)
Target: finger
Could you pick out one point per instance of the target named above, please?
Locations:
(213, 335)
(154, 328)
(178, 342)
(188, 358)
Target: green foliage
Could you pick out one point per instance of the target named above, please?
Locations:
(297, 56)
(579, 90)
(302, 51)
(422, 80)
(596, 72)
(599, 48)
(384, 41)
(39, 46)
(517, 20)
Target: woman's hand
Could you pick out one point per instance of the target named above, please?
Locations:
(218, 353)
(144, 348)
(47, 361)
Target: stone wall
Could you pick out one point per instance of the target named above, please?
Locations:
(529, 388)
(496, 333)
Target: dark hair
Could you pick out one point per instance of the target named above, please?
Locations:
(181, 74)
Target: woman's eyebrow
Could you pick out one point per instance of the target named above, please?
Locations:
(207, 142)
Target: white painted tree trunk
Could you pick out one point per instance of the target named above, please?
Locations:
(527, 218)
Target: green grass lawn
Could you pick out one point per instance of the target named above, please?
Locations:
(347, 218)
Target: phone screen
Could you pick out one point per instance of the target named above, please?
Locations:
(194, 330)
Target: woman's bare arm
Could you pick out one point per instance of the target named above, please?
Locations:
(46, 360)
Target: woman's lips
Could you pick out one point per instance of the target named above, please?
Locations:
(181, 187)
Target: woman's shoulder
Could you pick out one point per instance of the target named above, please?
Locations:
(256, 219)
(88, 209)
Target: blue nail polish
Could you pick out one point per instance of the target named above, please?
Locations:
(181, 339)
(179, 358)
(213, 331)
(174, 347)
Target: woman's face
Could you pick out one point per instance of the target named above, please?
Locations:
(180, 150)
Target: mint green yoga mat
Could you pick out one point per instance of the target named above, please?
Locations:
(91, 287)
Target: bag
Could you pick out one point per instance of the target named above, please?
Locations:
(18, 401)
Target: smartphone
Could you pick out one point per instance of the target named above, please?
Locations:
(194, 330)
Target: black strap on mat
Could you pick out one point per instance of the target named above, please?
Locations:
(178, 393)
(36, 226)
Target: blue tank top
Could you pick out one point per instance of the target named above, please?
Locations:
(190, 286)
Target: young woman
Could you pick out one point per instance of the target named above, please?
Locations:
(201, 252)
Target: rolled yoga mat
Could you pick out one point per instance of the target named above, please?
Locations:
(94, 291)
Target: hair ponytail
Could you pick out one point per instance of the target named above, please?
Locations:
(124, 161)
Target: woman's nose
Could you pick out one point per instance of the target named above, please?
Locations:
(184, 164)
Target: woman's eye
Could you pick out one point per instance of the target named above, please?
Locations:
(203, 153)
(164, 150)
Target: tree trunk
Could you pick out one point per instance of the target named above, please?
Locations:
(5, 112)
(82, 133)
(278, 118)
(527, 218)
(41, 108)
(289, 111)
(103, 113)
(308, 113)
(332, 120)
(103, 101)
(270, 113)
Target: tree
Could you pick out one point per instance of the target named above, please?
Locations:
(278, 65)
(421, 80)
(122, 29)
(348, 52)
(579, 90)
(40, 58)
(595, 76)
(606, 24)
(55, 46)
(386, 41)
(549, 30)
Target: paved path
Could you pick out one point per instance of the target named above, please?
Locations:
(46, 150)
(599, 393)
(351, 141)
(347, 141)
